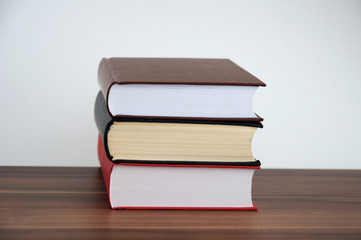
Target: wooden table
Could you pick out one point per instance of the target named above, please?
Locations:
(71, 203)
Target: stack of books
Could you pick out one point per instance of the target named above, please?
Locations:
(176, 133)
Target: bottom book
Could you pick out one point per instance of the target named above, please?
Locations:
(168, 186)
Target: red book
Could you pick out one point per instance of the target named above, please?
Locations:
(169, 186)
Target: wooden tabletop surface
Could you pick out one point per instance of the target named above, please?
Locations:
(71, 203)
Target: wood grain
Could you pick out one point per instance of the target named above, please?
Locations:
(71, 203)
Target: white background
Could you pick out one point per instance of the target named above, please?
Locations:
(308, 53)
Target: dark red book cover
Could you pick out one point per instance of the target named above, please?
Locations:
(107, 167)
(189, 71)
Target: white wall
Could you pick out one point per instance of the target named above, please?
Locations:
(308, 53)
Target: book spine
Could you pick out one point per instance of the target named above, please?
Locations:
(105, 164)
(103, 120)
(105, 79)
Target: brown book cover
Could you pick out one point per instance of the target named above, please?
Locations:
(193, 71)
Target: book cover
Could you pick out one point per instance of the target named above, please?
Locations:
(177, 72)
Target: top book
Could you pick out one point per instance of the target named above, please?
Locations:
(178, 88)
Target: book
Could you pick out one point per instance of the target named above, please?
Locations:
(175, 141)
(149, 186)
(183, 88)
